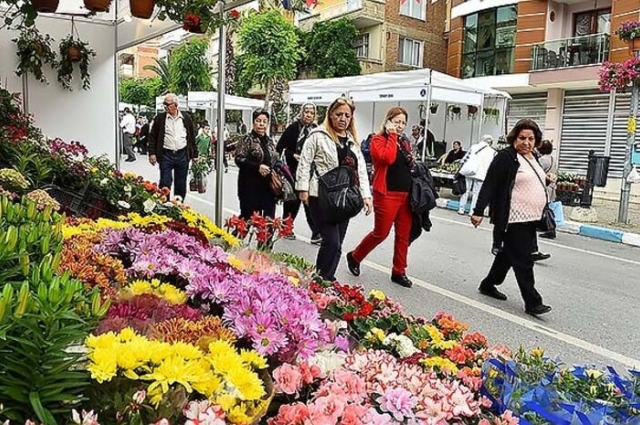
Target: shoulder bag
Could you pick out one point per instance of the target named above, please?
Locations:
(547, 223)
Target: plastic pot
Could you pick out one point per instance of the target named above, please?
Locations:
(45, 6)
(97, 5)
(74, 54)
(142, 9)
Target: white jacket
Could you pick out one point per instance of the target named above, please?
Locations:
(320, 153)
(483, 154)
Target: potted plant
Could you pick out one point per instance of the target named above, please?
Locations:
(455, 111)
(196, 16)
(34, 51)
(491, 114)
(45, 6)
(74, 51)
(97, 5)
(629, 32)
(433, 108)
(472, 110)
(200, 169)
(142, 9)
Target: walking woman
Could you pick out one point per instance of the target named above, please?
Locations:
(291, 143)
(255, 157)
(514, 189)
(330, 145)
(392, 164)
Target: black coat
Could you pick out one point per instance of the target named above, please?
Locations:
(155, 141)
(497, 187)
(423, 197)
(291, 144)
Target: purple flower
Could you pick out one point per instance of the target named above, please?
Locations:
(399, 403)
(342, 343)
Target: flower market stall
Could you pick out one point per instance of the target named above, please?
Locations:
(154, 315)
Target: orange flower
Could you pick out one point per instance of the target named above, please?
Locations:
(199, 333)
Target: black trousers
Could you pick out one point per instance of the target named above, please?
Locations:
(332, 235)
(292, 208)
(175, 165)
(518, 244)
(262, 202)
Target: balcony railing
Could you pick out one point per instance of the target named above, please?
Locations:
(361, 12)
(569, 52)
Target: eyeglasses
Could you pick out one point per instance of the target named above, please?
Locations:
(168, 104)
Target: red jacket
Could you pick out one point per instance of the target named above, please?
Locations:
(384, 149)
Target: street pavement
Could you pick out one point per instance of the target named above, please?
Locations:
(592, 285)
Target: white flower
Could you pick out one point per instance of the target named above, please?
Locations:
(178, 199)
(128, 188)
(104, 181)
(149, 205)
(402, 344)
(328, 361)
(124, 205)
(76, 417)
(139, 397)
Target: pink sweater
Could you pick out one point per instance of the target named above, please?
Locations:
(528, 197)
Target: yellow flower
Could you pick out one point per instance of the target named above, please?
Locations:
(593, 374)
(238, 415)
(247, 383)
(106, 340)
(103, 365)
(294, 280)
(378, 333)
(441, 364)
(252, 358)
(94, 170)
(378, 295)
(127, 334)
(537, 352)
(235, 263)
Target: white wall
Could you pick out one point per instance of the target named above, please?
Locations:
(85, 116)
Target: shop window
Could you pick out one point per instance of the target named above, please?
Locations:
(489, 42)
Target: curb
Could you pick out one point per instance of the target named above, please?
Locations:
(572, 227)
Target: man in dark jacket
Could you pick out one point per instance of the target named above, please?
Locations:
(291, 143)
(172, 144)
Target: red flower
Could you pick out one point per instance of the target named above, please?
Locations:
(348, 317)
(191, 22)
(234, 14)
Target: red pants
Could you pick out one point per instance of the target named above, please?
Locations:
(390, 209)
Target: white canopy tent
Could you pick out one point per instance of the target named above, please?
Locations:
(415, 90)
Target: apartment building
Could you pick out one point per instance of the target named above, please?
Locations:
(133, 60)
(395, 35)
(546, 54)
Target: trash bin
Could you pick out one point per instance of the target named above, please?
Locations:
(598, 169)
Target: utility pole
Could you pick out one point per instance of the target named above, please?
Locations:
(221, 118)
(623, 212)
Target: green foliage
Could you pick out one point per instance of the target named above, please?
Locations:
(42, 317)
(242, 84)
(189, 67)
(34, 51)
(329, 49)
(139, 92)
(65, 65)
(271, 49)
(162, 70)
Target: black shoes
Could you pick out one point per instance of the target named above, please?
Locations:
(316, 239)
(493, 293)
(548, 235)
(402, 280)
(130, 160)
(538, 310)
(539, 256)
(353, 265)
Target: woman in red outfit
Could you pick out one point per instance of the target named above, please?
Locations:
(392, 164)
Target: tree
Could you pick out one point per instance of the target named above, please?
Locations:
(189, 68)
(270, 47)
(141, 91)
(329, 49)
(162, 70)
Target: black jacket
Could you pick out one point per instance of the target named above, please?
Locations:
(422, 198)
(291, 144)
(497, 187)
(155, 141)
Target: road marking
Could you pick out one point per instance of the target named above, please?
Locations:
(536, 327)
(544, 242)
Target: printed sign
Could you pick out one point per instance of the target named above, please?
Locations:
(389, 95)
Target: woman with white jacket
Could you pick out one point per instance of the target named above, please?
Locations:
(474, 168)
(330, 145)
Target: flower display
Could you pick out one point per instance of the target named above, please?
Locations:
(265, 230)
(618, 75)
(42, 199)
(628, 31)
(11, 179)
(162, 290)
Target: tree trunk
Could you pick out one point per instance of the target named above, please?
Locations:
(267, 94)
(230, 69)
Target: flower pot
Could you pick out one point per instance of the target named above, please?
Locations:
(45, 6)
(193, 29)
(193, 187)
(455, 110)
(142, 9)
(433, 109)
(74, 54)
(97, 5)
(472, 109)
(634, 45)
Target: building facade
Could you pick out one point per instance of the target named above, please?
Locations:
(395, 35)
(134, 59)
(546, 54)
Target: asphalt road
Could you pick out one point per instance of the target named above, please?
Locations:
(592, 285)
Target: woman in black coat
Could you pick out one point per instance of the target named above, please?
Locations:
(255, 157)
(515, 191)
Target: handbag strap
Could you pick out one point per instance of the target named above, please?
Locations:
(544, 186)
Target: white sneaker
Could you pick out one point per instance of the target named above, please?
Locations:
(461, 212)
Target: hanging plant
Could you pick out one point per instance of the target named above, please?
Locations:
(196, 16)
(97, 5)
(491, 114)
(74, 51)
(34, 51)
(433, 108)
(472, 110)
(455, 112)
(45, 6)
(142, 9)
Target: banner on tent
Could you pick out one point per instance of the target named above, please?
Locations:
(317, 97)
(390, 94)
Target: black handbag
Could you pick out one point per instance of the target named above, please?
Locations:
(339, 195)
(548, 221)
(459, 186)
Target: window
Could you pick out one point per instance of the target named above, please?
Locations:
(362, 46)
(414, 8)
(410, 52)
(489, 42)
(592, 22)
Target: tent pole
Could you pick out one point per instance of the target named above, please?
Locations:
(221, 116)
(444, 136)
(373, 119)
(426, 122)
(480, 112)
(116, 90)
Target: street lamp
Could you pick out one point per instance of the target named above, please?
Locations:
(221, 7)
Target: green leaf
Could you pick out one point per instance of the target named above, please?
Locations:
(43, 414)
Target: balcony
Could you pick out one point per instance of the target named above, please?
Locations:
(363, 13)
(126, 70)
(570, 52)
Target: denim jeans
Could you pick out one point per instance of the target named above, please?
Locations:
(175, 165)
(473, 188)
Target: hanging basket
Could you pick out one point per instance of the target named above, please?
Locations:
(433, 109)
(142, 9)
(73, 54)
(634, 46)
(45, 6)
(472, 109)
(97, 5)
